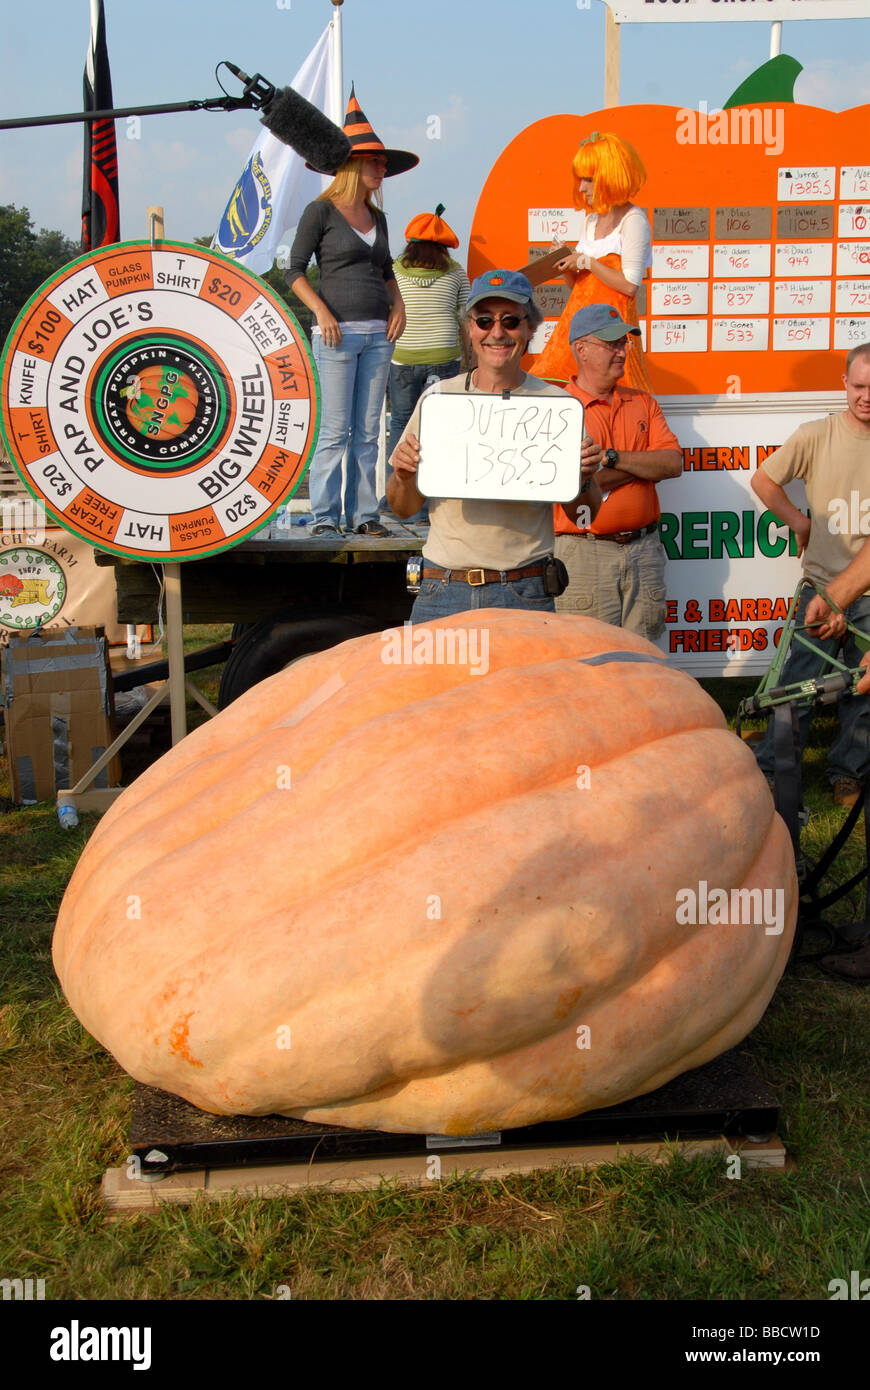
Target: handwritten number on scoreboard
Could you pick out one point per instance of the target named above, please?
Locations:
(514, 449)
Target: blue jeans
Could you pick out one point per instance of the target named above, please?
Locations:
(849, 754)
(407, 384)
(441, 598)
(353, 382)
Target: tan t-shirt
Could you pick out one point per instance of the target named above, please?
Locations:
(470, 532)
(833, 461)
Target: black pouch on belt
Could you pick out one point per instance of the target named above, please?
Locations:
(555, 577)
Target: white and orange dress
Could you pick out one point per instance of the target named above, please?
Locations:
(628, 249)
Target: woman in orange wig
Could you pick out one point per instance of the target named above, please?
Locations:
(612, 255)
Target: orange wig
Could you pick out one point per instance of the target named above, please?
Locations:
(616, 170)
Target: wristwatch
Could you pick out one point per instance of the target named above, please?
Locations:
(612, 458)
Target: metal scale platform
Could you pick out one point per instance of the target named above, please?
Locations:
(725, 1097)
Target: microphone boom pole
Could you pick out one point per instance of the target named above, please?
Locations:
(115, 113)
(258, 93)
(291, 118)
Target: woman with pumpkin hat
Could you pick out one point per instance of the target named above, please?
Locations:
(359, 315)
(612, 255)
(435, 290)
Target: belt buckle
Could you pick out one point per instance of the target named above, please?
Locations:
(623, 537)
(475, 583)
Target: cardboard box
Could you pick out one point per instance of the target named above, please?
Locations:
(58, 695)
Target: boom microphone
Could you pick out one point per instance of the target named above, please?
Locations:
(295, 122)
(290, 118)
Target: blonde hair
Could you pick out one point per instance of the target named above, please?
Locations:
(345, 186)
(616, 170)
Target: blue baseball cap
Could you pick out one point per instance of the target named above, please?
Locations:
(600, 321)
(500, 284)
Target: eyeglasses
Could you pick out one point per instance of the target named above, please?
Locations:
(613, 347)
(508, 321)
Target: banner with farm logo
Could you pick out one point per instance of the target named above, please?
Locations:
(731, 567)
(54, 582)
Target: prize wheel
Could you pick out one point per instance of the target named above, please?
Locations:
(161, 401)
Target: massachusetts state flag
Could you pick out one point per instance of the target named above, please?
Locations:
(274, 186)
(100, 216)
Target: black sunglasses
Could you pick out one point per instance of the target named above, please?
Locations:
(508, 321)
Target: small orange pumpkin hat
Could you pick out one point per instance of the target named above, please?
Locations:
(428, 226)
(364, 142)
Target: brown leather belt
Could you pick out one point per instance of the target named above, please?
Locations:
(477, 577)
(623, 537)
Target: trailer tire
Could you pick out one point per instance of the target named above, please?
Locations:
(273, 643)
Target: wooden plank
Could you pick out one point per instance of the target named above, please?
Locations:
(611, 60)
(97, 799)
(80, 789)
(122, 1194)
(175, 650)
(210, 709)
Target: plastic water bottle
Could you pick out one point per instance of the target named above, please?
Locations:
(67, 815)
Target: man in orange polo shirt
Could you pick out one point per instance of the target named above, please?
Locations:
(616, 566)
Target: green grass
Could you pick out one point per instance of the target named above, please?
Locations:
(629, 1230)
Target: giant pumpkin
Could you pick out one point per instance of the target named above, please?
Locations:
(434, 896)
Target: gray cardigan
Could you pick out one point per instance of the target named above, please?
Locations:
(353, 274)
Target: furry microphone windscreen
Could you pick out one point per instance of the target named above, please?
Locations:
(297, 123)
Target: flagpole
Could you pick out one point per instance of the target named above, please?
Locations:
(336, 101)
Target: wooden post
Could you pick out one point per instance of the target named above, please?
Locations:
(175, 651)
(172, 581)
(611, 60)
(336, 92)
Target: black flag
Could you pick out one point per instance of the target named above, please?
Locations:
(100, 216)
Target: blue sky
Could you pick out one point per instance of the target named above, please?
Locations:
(488, 68)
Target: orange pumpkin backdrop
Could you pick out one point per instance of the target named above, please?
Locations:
(534, 171)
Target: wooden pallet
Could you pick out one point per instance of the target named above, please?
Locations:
(124, 1195)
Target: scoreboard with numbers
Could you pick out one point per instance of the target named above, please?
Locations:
(760, 222)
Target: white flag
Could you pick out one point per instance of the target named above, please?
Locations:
(275, 186)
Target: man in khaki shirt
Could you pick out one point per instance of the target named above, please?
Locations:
(832, 457)
(484, 553)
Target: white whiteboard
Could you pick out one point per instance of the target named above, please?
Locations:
(509, 449)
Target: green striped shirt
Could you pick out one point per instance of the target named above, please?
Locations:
(435, 301)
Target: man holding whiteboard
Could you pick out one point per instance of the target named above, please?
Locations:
(487, 551)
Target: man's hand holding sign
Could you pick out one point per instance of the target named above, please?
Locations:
(498, 447)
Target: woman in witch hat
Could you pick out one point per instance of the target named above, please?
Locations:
(360, 314)
(435, 290)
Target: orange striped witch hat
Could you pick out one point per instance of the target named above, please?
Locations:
(363, 140)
